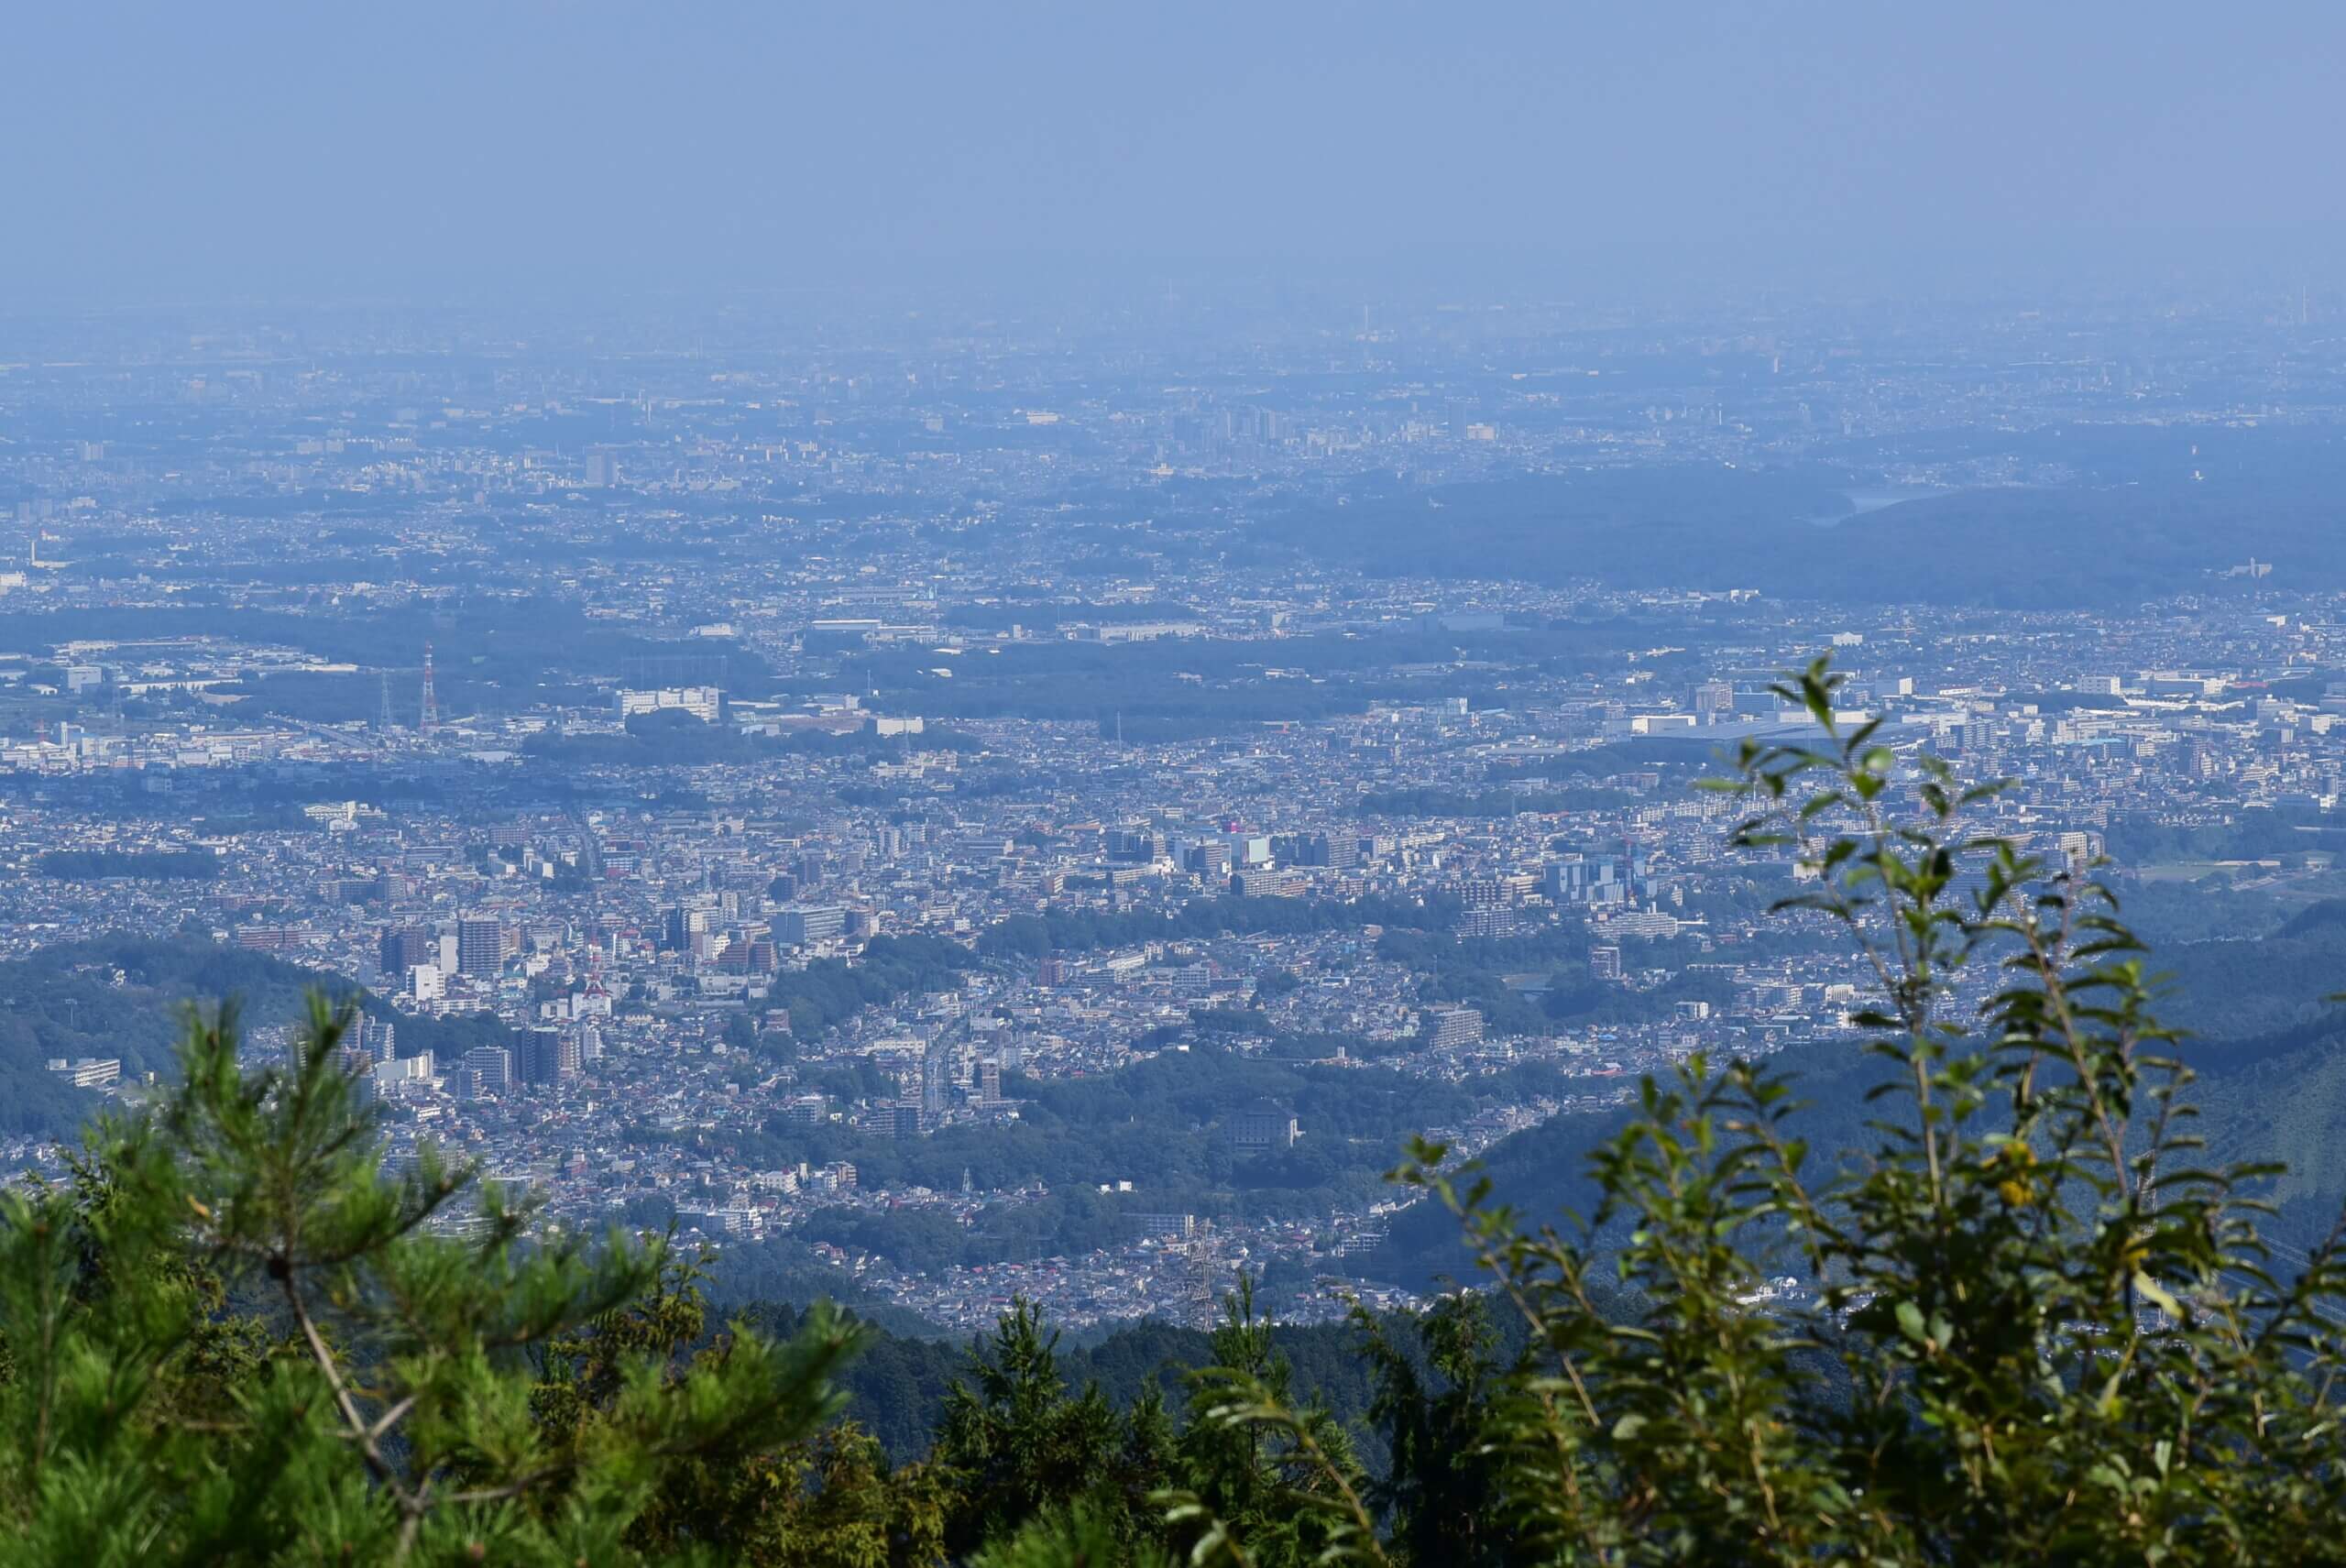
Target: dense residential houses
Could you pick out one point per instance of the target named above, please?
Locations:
(634, 732)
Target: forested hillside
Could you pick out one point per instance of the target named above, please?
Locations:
(2142, 510)
(122, 996)
(2260, 1028)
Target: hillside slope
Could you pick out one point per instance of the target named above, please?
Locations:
(124, 996)
(2270, 1053)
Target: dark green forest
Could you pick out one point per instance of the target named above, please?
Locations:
(93, 865)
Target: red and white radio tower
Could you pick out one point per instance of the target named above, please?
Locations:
(429, 720)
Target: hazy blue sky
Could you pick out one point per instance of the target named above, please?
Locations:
(203, 149)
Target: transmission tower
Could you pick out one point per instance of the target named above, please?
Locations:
(428, 718)
(383, 721)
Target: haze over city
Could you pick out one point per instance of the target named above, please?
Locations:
(977, 663)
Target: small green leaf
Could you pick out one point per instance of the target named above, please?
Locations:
(2157, 1294)
(1910, 1322)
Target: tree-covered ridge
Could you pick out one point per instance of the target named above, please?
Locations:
(2259, 1027)
(120, 995)
(828, 990)
(2149, 512)
(1159, 1124)
(90, 865)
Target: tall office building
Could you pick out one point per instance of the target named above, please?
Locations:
(548, 1057)
(906, 1120)
(1134, 844)
(1484, 893)
(491, 1067)
(480, 946)
(1212, 858)
(404, 947)
(373, 1039)
(1450, 1028)
(679, 926)
(1340, 850)
(807, 923)
(937, 1078)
